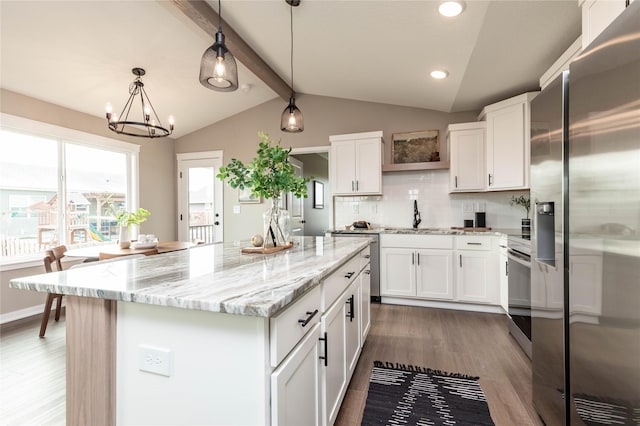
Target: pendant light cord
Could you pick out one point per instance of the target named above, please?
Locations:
(291, 26)
(219, 16)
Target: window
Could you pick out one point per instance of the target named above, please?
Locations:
(60, 186)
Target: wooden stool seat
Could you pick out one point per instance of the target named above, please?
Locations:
(52, 256)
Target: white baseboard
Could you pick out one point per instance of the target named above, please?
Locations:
(444, 305)
(24, 313)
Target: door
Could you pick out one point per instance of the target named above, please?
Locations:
(334, 377)
(343, 167)
(434, 269)
(397, 272)
(467, 160)
(368, 166)
(200, 205)
(471, 277)
(295, 206)
(295, 385)
(365, 303)
(352, 325)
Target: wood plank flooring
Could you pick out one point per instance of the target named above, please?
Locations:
(32, 370)
(472, 343)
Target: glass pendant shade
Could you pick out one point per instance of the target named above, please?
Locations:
(292, 120)
(218, 69)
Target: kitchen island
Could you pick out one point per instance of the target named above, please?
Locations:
(213, 336)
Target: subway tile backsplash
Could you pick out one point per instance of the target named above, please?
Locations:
(438, 208)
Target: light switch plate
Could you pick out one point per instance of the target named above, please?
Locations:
(236, 209)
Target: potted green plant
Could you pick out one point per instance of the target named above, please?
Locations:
(125, 220)
(524, 202)
(268, 175)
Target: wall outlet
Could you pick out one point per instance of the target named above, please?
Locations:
(236, 209)
(467, 207)
(154, 360)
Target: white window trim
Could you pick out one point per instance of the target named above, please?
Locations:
(63, 134)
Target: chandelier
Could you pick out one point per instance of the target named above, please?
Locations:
(145, 125)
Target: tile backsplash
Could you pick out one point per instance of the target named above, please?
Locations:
(438, 208)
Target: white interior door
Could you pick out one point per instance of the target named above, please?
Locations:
(200, 206)
(296, 205)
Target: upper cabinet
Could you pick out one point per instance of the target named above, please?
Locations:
(508, 142)
(356, 164)
(467, 155)
(597, 15)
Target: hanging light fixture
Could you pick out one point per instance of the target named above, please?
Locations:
(148, 124)
(218, 69)
(292, 120)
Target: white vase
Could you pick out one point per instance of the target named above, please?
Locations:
(123, 238)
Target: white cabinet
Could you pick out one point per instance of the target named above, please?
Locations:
(597, 15)
(365, 304)
(504, 274)
(467, 156)
(356, 163)
(352, 326)
(334, 377)
(295, 385)
(476, 271)
(508, 142)
(416, 266)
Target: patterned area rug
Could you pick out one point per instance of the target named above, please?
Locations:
(409, 395)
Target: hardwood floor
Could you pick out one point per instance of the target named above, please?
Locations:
(32, 374)
(32, 370)
(472, 343)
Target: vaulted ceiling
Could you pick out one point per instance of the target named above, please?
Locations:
(79, 54)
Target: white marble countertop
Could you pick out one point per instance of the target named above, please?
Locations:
(427, 231)
(216, 278)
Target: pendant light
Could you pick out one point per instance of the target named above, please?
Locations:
(218, 69)
(146, 124)
(292, 120)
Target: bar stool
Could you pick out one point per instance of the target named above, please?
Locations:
(52, 256)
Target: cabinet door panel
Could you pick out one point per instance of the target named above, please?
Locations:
(472, 277)
(397, 272)
(365, 303)
(352, 326)
(506, 147)
(343, 160)
(467, 160)
(295, 385)
(434, 274)
(334, 377)
(369, 166)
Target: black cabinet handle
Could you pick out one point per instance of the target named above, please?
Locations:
(460, 261)
(368, 272)
(506, 267)
(418, 256)
(304, 322)
(326, 348)
(367, 256)
(413, 258)
(474, 244)
(351, 313)
(456, 178)
(348, 275)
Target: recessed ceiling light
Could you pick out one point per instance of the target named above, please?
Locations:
(439, 74)
(451, 8)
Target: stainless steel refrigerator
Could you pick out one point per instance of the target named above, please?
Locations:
(585, 273)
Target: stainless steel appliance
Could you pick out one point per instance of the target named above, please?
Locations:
(585, 279)
(374, 260)
(519, 279)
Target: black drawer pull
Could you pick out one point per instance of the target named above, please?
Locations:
(326, 348)
(368, 272)
(351, 313)
(367, 256)
(348, 275)
(474, 244)
(304, 322)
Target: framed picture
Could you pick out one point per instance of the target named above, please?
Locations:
(415, 147)
(318, 195)
(245, 197)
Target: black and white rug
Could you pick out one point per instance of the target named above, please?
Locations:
(410, 395)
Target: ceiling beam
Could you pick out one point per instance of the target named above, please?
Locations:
(206, 18)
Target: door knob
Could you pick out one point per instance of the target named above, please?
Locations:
(216, 223)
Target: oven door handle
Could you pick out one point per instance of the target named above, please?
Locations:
(519, 258)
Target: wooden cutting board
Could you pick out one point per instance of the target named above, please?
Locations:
(266, 250)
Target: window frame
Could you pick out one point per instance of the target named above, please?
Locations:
(64, 136)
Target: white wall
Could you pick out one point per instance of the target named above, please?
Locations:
(437, 207)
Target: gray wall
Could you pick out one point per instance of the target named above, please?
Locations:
(157, 180)
(324, 116)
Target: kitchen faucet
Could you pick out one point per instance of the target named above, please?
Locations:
(416, 215)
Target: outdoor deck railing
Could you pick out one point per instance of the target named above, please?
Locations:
(201, 233)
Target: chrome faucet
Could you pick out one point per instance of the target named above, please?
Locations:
(416, 215)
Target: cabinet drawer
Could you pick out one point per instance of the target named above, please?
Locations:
(473, 242)
(337, 282)
(365, 257)
(417, 241)
(287, 328)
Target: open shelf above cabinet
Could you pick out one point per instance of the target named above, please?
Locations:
(409, 167)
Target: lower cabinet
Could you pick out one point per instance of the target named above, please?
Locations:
(425, 273)
(295, 385)
(309, 383)
(472, 277)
